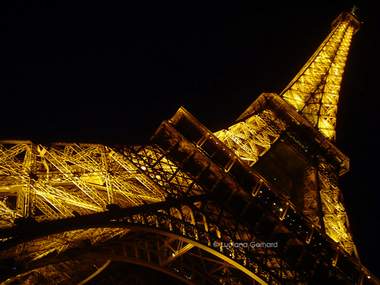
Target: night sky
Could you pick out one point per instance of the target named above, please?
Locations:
(107, 73)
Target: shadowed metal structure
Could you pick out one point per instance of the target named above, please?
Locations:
(255, 203)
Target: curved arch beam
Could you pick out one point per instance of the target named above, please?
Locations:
(91, 253)
(96, 273)
(29, 229)
(149, 217)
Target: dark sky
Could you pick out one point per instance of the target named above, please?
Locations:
(101, 72)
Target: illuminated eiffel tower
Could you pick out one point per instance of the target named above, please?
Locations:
(255, 203)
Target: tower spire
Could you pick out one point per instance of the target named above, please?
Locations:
(353, 10)
(314, 91)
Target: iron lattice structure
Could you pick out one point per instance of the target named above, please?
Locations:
(256, 203)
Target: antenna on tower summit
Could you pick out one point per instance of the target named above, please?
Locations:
(354, 10)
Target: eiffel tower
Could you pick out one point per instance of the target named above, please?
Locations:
(255, 203)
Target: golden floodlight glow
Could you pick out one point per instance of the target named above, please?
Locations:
(314, 91)
(182, 192)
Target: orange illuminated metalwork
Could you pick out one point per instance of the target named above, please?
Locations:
(314, 91)
(193, 204)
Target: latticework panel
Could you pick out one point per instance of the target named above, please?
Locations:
(62, 180)
(253, 137)
(334, 213)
